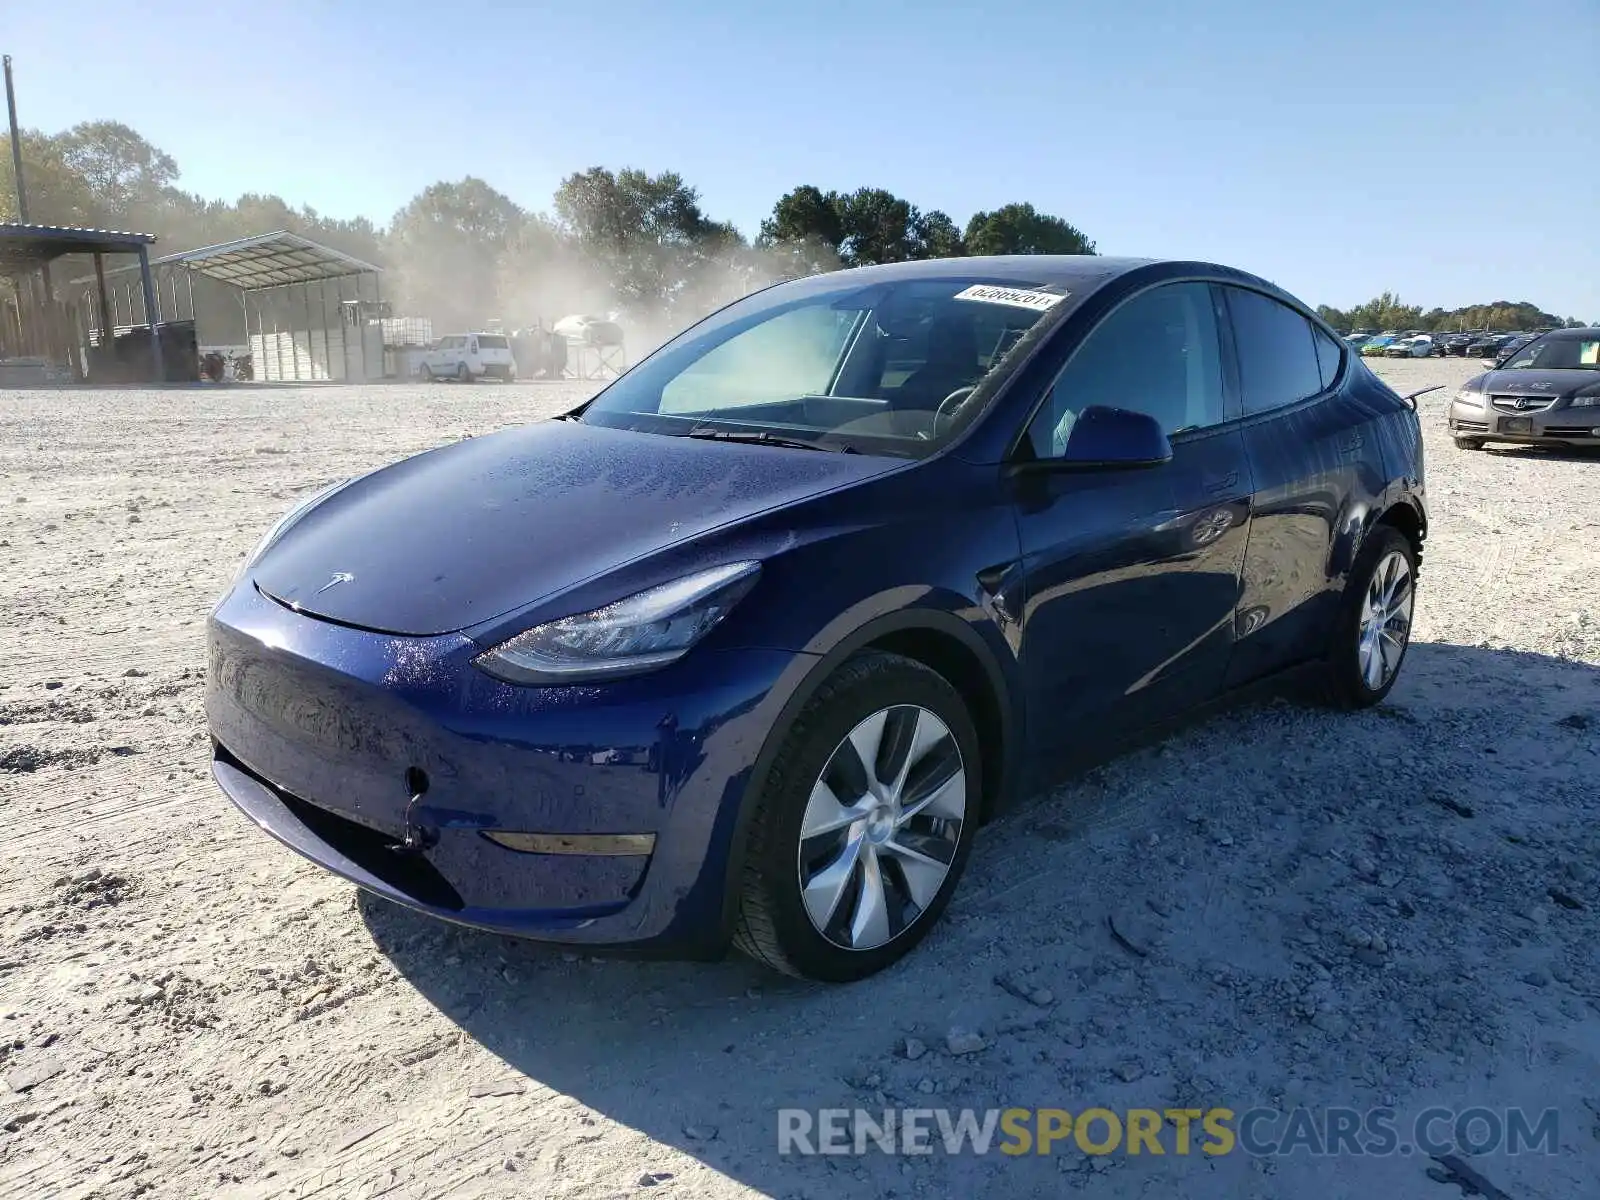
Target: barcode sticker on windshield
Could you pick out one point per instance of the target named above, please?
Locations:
(1018, 297)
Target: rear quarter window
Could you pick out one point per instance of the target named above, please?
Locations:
(1329, 356)
(1278, 362)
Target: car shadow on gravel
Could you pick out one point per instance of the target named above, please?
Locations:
(1575, 454)
(1164, 930)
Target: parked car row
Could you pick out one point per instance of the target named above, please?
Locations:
(1418, 343)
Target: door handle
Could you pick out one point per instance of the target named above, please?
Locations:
(1221, 483)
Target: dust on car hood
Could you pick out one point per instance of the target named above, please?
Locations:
(468, 532)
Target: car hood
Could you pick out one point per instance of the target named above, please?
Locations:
(1531, 382)
(468, 532)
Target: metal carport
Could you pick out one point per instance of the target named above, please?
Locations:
(296, 317)
(39, 325)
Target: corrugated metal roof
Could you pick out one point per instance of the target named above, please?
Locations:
(27, 247)
(268, 260)
(10, 228)
(272, 260)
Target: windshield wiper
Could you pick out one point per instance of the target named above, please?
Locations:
(764, 437)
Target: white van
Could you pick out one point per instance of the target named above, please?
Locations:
(468, 356)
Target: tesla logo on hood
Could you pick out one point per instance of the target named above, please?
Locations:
(334, 580)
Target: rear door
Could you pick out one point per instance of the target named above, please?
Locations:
(1132, 575)
(1314, 455)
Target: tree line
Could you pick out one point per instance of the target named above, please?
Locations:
(1388, 311)
(462, 252)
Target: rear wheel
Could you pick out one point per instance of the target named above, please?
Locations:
(426, 373)
(860, 835)
(1373, 629)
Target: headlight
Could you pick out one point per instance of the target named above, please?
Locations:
(1586, 402)
(644, 631)
(282, 524)
(1470, 399)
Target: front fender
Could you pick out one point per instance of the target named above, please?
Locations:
(886, 617)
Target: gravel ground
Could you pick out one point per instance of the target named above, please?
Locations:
(1399, 907)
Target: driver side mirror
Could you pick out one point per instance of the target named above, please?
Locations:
(1105, 438)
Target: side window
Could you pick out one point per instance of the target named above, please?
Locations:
(793, 354)
(1277, 357)
(1157, 354)
(1328, 355)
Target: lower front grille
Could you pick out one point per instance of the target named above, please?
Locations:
(373, 852)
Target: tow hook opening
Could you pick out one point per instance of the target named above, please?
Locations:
(417, 836)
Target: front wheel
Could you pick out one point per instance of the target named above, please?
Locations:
(462, 374)
(1373, 628)
(859, 837)
(1466, 443)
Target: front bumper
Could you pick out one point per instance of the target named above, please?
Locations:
(322, 734)
(1562, 426)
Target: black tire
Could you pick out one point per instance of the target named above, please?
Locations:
(1344, 684)
(772, 925)
(1467, 443)
(427, 373)
(462, 374)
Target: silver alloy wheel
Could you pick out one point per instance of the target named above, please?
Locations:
(881, 827)
(1386, 620)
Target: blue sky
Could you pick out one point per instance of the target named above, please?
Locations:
(1446, 150)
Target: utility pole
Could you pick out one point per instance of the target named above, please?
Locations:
(16, 145)
(22, 207)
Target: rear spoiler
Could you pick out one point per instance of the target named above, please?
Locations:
(1411, 398)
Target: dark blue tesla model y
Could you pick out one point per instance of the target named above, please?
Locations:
(745, 649)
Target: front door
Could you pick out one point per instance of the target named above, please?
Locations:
(1132, 575)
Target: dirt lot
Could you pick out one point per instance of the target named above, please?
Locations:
(1400, 907)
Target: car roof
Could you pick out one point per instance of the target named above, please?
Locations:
(1081, 274)
(1050, 268)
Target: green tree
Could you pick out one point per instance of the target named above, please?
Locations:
(648, 238)
(804, 233)
(935, 235)
(57, 194)
(446, 246)
(1386, 311)
(1022, 229)
(1339, 320)
(126, 175)
(804, 214)
(879, 227)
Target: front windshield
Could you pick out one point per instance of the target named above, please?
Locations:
(881, 368)
(1559, 352)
